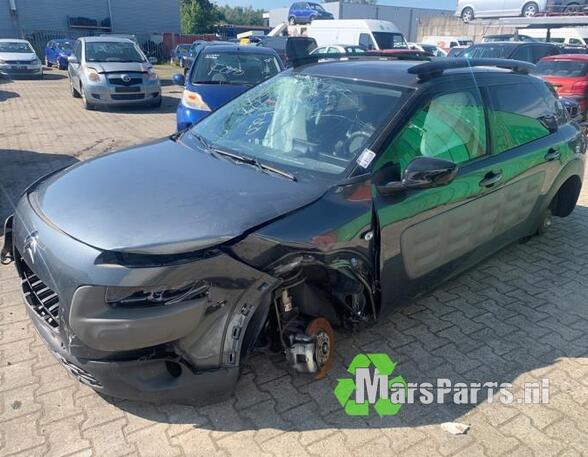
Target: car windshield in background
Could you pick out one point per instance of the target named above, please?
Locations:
(562, 68)
(387, 40)
(499, 51)
(184, 48)
(235, 68)
(112, 51)
(17, 48)
(302, 123)
(465, 42)
(65, 46)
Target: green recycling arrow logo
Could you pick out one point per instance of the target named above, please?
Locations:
(383, 367)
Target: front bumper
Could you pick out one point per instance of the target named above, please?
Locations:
(186, 117)
(21, 70)
(187, 352)
(104, 93)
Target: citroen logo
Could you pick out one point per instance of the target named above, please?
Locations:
(31, 243)
(126, 78)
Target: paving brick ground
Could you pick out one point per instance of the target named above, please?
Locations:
(520, 316)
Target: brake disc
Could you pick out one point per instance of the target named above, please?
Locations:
(322, 332)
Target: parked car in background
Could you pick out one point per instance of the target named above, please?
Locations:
(289, 48)
(18, 58)
(456, 52)
(574, 50)
(448, 42)
(506, 37)
(370, 34)
(432, 50)
(57, 52)
(339, 49)
(306, 12)
(179, 52)
(195, 49)
(569, 75)
(323, 198)
(109, 71)
(219, 74)
(566, 6)
(469, 10)
(566, 36)
(525, 51)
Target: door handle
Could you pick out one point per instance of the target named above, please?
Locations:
(491, 179)
(552, 154)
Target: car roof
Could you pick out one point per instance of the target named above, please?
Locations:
(106, 39)
(237, 48)
(381, 71)
(577, 57)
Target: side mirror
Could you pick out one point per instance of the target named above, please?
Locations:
(179, 80)
(73, 60)
(422, 173)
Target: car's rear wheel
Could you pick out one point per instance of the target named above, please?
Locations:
(292, 20)
(530, 9)
(467, 15)
(572, 8)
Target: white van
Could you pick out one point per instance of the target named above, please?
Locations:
(369, 33)
(448, 42)
(569, 36)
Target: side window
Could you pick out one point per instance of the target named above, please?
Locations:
(366, 41)
(556, 108)
(450, 126)
(518, 115)
(78, 51)
(524, 53)
(576, 42)
(333, 51)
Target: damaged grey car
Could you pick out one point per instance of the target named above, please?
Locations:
(319, 199)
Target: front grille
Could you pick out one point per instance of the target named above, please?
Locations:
(20, 62)
(120, 82)
(38, 295)
(82, 375)
(127, 97)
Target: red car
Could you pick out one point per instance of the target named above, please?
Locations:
(568, 73)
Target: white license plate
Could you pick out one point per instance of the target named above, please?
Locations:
(18, 67)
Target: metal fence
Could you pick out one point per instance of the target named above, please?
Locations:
(158, 45)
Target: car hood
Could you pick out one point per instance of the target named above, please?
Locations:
(22, 56)
(164, 198)
(215, 95)
(120, 67)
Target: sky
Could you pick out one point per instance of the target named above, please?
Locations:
(270, 4)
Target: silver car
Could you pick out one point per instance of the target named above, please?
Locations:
(471, 9)
(18, 58)
(106, 71)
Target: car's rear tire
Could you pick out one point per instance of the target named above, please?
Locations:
(530, 9)
(292, 20)
(467, 15)
(572, 8)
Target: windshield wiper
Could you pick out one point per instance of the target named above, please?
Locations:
(251, 161)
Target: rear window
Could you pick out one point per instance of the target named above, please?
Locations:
(235, 68)
(563, 68)
(387, 40)
(499, 51)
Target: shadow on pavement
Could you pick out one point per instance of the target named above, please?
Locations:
(19, 169)
(7, 95)
(509, 319)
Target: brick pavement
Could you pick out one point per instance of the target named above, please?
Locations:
(520, 316)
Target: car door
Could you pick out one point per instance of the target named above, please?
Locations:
(487, 8)
(427, 234)
(512, 7)
(529, 136)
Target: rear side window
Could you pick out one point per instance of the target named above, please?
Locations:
(524, 53)
(450, 126)
(519, 115)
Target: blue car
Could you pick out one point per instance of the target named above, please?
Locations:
(218, 75)
(57, 52)
(306, 12)
(179, 52)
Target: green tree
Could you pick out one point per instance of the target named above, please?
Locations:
(199, 16)
(239, 15)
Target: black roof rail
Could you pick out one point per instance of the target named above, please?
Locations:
(315, 58)
(429, 70)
